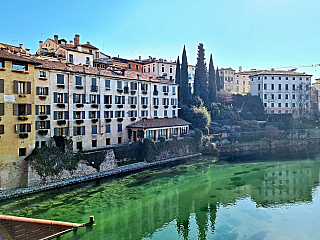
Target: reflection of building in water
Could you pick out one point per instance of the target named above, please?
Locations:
(286, 185)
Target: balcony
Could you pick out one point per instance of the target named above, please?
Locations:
(94, 105)
(94, 120)
(94, 88)
(119, 119)
(126, 89)
(43, 117)
(155, 93)
(79, 105)
(108, 106)
(61, 122)
(88, 62)
(60, 86)
(144, 92)
(119, 90)
(61, 105)
(42, 132)
(23, 135)
(108, 120)
(79, 121)
(133, 92)
(165, 93)
(79, 87)
(120, 106)
(133, 106)
(23, 118)
(144, 106)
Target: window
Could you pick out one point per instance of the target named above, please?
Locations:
(265, 77)
(119, 99)
(42, 74)
(77, 98)
(272, 104)
(279, 86)
(170, 78)
(153, 68)
(132, 113)
(59, 97)
(144, 113)
(170, 69)
(144, 100)
(108, 114)
(272, 111)
(21, 87)
(79, 146)
(137, 68)
(42, 90)
(18, 66)
(71, 58)
(78, 80)
(293, 78)
(287, 96)
(23, 128)
(119, 127)
(119, 114)
(272, 86)
(94, 143)
(279, 78)
(1, 64)
(144, 87)
(279, 96)
(173, 90)
(279, 104)
(107, 99)
(258, 86)
(107, 83)
(60, 115)
(293, 87)
(156, 101)
(165, 113)
(279, 111)
(1, 129)
(129, 65)
(265, 96)
(155, 113)
(293, 96)
(165, 89)
(60, 79)
(272, 96)
(265, 86)
(287, 105)
(119, 140)
(133, 86)
(165, 101)
(287, 86)
(287, 78)
(265, 104)
(22, 152)
(173, 113)
(272, 78)
(293, 105)
(108, 141)
(162, 68)
(119, 84)
(94, 129)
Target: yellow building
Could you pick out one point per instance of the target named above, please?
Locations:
(17, 117)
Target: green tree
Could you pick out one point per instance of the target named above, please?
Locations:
(199, 117)
(218, 83)
(184, 80)
(212, 82)
(178, 79)
(201, 77)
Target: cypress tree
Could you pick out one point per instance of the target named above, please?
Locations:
(212, 82)
(201, 77)
(184, 80)
(178, 79)
(218, 83)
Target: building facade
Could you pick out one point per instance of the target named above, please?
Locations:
(283, 91)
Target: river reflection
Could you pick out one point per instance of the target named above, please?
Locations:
(195, 199)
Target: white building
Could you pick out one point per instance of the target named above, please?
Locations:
(95, 107)
(283, 91)
(317, 86)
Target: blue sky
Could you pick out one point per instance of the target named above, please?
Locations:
(248, 33)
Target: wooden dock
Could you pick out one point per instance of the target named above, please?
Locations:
(28, 228)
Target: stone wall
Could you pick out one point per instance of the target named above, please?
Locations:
(83, 169)
(13, 175)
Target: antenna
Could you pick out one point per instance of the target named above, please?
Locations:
(14, 39)
(103, 47)
(41, 35)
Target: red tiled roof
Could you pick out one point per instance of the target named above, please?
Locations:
(88, 46)
(93, 70)
(13, 48)
(159, 123)
(10, 56)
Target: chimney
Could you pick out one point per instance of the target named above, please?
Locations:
(71, 42)
(76, 40)
(150, 58)
(139, 58)
(55, 39)
(139, 76)
(240, 69)
(40, 44)
(21, 46)
(88, 42)
(272, 69)
(28, 51)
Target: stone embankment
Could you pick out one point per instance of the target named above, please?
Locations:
(123, 169)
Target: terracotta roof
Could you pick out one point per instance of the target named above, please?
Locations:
(159, 123)
(73, 49)
(93, 70)
(10, 56)
(275, 72)
(13, 48)
(87, 45)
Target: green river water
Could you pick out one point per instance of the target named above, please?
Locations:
(248, 197)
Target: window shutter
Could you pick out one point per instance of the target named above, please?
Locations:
(98, 114)
(111, 114)
(98, 99)
(74, 98)
(105, 99)
(123, 100)
(17, 128)
(105, 114)
(28, 127)
(90, 98)
(146, 101)
(55, 97)
(38, 90)
(55, 115)
(66, 130)
(37, 109)
(74, 114)
(83, 115)
(37, 125)
(83, 130)
(74, 131)
(157, 101)
(48, 124)
(1, 85)
(94, 81)
(2, 109)
(46, 91)
(15, 109)
(28, 87)
(122, 113)
(60, 79)
(29, 112)
(15, 86)
(55, 131)
(66, 115)
(83, 98)
(48, 109)
(115, 100)
(135, 100)
(90, 114)
(66, 98)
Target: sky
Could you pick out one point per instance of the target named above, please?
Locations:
(249, 33)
